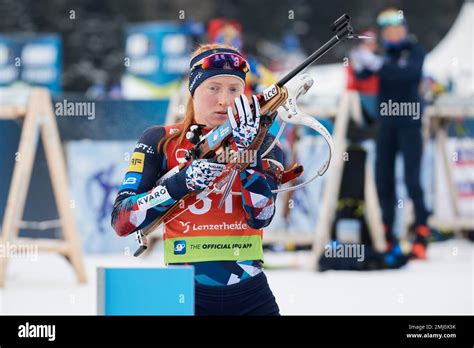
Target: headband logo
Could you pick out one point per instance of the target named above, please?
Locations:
(196, 78)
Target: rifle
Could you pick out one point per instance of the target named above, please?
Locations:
(281, 96)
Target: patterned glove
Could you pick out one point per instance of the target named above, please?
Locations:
(201, 173)
(246, 128)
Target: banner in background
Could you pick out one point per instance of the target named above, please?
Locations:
(156, 58)
(96, 169)
(460, 152)
(34, 60)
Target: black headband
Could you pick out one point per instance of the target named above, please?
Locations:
(199, 75)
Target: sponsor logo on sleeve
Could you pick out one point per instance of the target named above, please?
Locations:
(127, 193)
(146, 148)
(131, 181)
(157, 196)
(136, 163)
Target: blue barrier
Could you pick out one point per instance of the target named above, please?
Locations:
(145, 291)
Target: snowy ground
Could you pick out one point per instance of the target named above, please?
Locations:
(441, 285)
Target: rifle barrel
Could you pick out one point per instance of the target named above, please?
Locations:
(308, 61)
(342, 28)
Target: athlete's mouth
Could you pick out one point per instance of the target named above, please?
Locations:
(221, 113)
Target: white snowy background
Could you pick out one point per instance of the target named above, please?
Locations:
(441, 285)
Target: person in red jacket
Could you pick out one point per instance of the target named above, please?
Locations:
(224, 244)
(360, 77)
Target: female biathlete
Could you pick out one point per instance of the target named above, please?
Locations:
(223, 244)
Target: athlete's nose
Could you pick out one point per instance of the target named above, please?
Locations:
(226, 99)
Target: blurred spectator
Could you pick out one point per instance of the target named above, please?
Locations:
(400, 109)
(229, 32)
(360, 73)
(400, 131)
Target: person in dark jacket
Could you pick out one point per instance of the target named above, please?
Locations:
(400, 111)
(400, 125)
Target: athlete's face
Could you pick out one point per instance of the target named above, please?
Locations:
(394, 33)
(213, 97)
